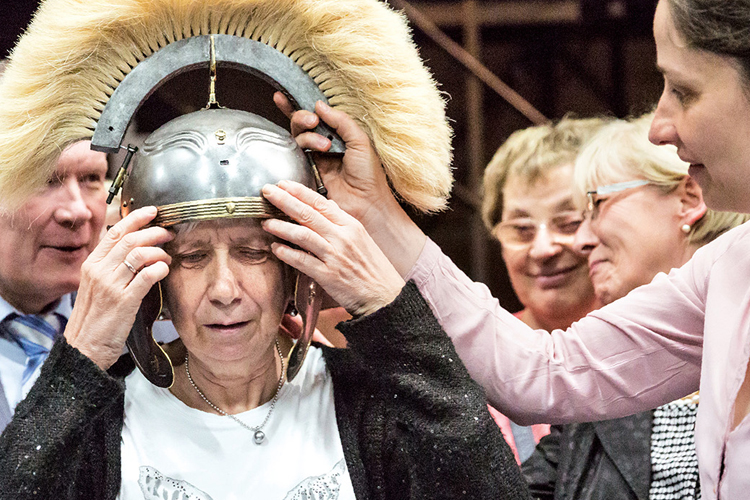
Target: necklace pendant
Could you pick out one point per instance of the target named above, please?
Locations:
(259, 436)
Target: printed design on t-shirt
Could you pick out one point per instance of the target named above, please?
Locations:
(323, 487)
(157, 486)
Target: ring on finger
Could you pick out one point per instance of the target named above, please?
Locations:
(130, 266)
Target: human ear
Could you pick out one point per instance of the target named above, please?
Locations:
(692, 206)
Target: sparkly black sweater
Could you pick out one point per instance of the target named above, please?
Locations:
(412, 423)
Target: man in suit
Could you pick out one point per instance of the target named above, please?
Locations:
(42, 246)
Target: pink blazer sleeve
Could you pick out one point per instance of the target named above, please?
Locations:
(635, 354)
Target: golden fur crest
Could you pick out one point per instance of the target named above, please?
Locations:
(360, 53)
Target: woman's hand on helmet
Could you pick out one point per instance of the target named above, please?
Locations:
(337, 251)
(357, 182)
(114, 280)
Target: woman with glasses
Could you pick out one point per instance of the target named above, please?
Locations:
(644, 215)
(528, 206)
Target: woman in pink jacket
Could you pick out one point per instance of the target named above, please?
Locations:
(684, 331)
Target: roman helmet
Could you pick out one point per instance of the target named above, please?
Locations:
(207, 165)
(83, 68)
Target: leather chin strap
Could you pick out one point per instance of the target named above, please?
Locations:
(155, 364)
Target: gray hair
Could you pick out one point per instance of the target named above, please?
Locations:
(531, 153)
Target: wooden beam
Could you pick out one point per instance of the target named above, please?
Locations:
(470, 62)
(510, 13)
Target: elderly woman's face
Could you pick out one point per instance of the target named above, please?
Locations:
(225, 290)
(547, 274)
(635, 235)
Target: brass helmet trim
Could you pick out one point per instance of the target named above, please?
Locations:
(219, 208)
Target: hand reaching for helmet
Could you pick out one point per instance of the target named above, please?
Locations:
(357, 182)
(336, 250)
(114, 280)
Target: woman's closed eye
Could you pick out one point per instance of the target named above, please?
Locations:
(596, 205)
(567, 224)
(525, 230)
(251, 255)
(681, 94)
(190, 260)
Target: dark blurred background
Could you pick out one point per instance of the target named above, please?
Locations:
(584, 57)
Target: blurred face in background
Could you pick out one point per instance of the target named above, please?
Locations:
(632, 235)
(46, 240)
(536, 231)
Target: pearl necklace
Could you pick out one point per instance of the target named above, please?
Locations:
(258, 435)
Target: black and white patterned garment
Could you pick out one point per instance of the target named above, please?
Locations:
(674, 464)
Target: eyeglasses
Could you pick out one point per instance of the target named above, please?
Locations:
(517, 234)
(593, 201)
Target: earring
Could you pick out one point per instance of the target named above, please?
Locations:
(686, 228)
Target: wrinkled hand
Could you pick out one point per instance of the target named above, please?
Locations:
(110, 293)
(357, 182)
(343, 259)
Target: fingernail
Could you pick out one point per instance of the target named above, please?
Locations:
(324, 106)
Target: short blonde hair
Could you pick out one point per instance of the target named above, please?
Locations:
(531, 153)
(621, 152)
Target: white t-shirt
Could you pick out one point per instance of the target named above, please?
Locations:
(170, 450)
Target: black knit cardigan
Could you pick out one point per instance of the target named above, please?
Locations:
(412, 423)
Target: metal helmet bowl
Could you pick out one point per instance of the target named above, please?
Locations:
(212, 164)
(206, 165)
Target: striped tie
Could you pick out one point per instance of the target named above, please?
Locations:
(35, 334)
